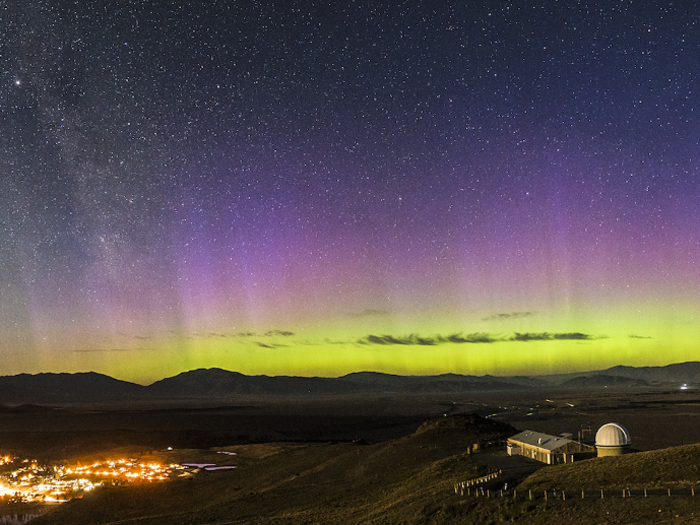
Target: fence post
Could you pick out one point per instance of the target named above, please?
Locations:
(623, 493)
(530, 491)
(601, 494)
(669, 492)
(692, 491)
(545, 495)
(582, 494)
(563, 495)
(645, 492)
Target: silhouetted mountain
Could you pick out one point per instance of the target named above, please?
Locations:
(688, 372)
(57, 389)
(375, 378)
(674, 374)
(603, 380)
(443, 382)
(215, 382)
(218, 384)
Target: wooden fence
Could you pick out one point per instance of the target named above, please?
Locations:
(475, 488)
(475, 482)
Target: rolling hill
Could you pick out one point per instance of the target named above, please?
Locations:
(218, 384)
(407, 480)
(404, 481)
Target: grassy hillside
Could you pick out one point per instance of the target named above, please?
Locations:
(405, 481)
(667, 468)
(409, 480)
(677, 469)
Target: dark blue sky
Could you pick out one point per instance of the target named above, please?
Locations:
(170, 170)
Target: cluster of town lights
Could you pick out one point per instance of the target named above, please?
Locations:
(25, 480)
(126, 469)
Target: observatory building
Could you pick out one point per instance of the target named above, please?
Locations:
(546, 448)
(612, 439)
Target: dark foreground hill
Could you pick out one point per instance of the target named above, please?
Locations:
(655, 487)
(405, 481)
(676, 468)
(408, 480)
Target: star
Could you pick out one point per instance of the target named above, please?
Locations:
(230, 164)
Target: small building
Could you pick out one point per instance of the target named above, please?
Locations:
(547, 449)
(612, 439)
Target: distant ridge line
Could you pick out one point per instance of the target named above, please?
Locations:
(220, 384)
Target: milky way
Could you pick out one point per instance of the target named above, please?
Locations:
(504, 187)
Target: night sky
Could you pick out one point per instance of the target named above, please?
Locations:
(299, 189)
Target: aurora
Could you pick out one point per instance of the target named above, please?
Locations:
(292, 190)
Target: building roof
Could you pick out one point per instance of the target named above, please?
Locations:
(612, 435)
(540, 440)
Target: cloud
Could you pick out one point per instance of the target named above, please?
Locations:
(506, 316)
(474, 338)
(478, 337)
(266, 345)
(269, 333)
(369, 312)
(273, 333)
(577, 335)
(412, 339)
(210, 335)
(640, 336)
(415, 339)
(531, 337)
(545, 336)
(249, 335)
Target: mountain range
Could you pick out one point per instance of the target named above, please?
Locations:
(218, 384)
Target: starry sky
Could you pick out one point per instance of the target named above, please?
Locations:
(289, 188)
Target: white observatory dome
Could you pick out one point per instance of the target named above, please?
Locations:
(612, 435)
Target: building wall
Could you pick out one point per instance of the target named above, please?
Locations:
(564, 454)
(534, 453)
(611, 451)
